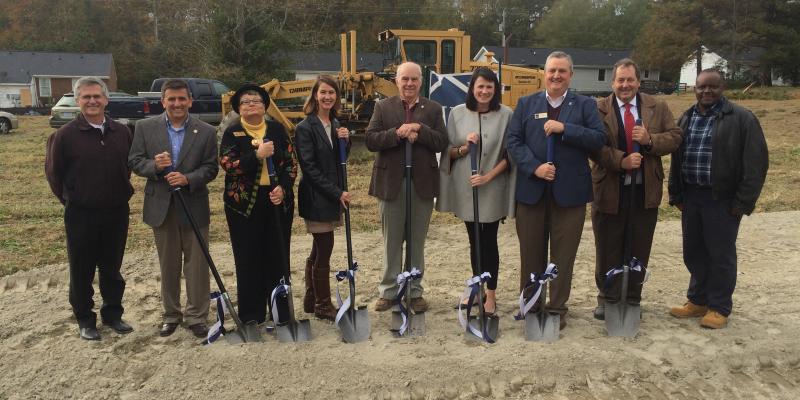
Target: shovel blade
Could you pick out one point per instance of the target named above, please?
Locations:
(622, 319)
(416, 324)
(293, 331)
(492, 327)
(355, 327)
(235, 337)
(542, 327)
(251, 333)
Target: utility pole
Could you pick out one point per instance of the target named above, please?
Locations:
(155, 19)
(502, 29)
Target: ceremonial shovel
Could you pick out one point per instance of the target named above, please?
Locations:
(290, 330)
(542, 325)
(622, 319)
(486, 325)
(352, 321)
(242, 334)
(403, 313)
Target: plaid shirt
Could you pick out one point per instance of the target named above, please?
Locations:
(696, 167)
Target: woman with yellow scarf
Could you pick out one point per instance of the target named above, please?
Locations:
(250, 198)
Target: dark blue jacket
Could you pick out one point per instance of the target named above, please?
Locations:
(527, 147)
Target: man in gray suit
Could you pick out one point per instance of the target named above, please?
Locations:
(173, 150)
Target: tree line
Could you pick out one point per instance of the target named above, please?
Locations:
(247, 40)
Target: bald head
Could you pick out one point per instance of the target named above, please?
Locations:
(409, 81)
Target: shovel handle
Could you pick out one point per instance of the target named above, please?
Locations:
(473, 157)
(342, 151)
(550, 149)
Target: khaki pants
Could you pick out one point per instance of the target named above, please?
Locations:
(178, 250)
(393, 223)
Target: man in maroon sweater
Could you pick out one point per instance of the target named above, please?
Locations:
(87, 169)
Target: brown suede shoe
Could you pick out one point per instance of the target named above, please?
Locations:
(419, 304)
(383, 304)
(714, 320)
(688, 310)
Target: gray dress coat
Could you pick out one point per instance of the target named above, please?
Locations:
(496, 198)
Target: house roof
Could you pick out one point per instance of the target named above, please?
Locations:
(331, 61)
(580, 57)
(20, 66)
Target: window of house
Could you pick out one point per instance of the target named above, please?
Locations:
(646, 73)
(601, 75)
(44, 87)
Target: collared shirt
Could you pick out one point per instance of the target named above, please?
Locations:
(555, 102)
(176, 136)
(409, 108)
(696, 167)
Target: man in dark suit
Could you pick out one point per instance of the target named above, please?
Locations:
(576, 128)
(177, 150)
(405, 117)
(611, 179)
(86, 169)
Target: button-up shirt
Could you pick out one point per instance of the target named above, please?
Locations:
(557, 101)
(696, 167)
(176, 140)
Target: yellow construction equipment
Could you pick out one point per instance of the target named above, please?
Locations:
(444, 52)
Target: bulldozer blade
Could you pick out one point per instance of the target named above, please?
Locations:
(416, 324)
(542, 326)
(293, 331)
(492, 327)
(622, 319)
(355, 327)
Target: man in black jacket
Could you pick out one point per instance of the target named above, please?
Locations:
(715, 177)
(86, 166)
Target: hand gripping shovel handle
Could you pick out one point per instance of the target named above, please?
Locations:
(408, 162)
(629, 228)
(550, 160)
(204, 247)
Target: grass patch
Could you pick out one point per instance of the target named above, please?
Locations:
(765, 93)
(31, 219)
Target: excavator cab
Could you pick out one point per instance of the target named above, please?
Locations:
(444, 52)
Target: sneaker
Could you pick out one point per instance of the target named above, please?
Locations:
(383, 304)
(688, 310)
(714, 320)
(419, 304)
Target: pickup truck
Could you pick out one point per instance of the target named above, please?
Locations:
(206, 102)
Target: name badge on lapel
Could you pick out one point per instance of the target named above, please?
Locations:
(540, 115)
(239, 134)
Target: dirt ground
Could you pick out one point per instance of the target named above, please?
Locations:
(756, 357)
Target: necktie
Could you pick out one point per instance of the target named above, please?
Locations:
(629, 123)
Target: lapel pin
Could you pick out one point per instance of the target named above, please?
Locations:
(194, 131)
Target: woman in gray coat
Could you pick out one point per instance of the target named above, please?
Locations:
(482, 120)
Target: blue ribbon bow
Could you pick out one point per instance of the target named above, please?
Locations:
(404, 279)
(635, 265)
(218, 329)
(350, 275)
(537, 281)
(473, 286)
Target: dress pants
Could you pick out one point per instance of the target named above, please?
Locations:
(258, 255)
(565, 236)
(609, 240)
(178, 250)
(709, 248)
(393, 224)
(96, 239)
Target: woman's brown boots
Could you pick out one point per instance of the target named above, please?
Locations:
(308, 299)
(323, 307)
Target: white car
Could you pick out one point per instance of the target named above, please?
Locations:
(8, 122)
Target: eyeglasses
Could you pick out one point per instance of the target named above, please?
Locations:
(251, 102)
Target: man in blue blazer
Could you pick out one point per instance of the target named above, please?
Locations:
(574, 123)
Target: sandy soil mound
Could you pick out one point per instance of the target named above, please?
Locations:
(756, 357)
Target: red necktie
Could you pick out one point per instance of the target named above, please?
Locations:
(629, 123)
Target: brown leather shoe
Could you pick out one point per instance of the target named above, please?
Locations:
(714, 320)
(199, 330)
(383, 304)
(688, 310)
(419, 304)
(308, 298)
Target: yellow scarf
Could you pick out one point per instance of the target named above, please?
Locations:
(258, 132)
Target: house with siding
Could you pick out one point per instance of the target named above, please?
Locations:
(40, 78)
(748, 64)
(592, 67)
(310, 64)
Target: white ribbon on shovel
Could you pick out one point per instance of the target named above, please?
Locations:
(404, 279)
(537, 281)
(473, 286)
